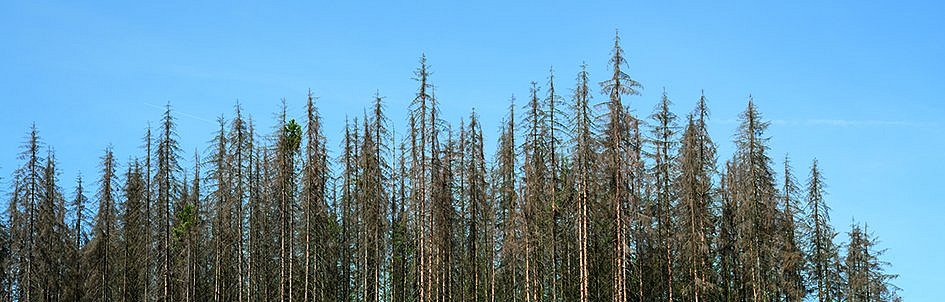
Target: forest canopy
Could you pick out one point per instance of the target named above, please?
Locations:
(582, 200)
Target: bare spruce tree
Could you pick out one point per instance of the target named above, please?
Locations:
(695, 213)
(225, 278)
(508, 217)
(166, 188)
(823, 253)
(616, 149)
(664, 170)
(51, 241)
(791, 258)
(79, 237)
(534, 192)
(479, 230)
(317, 229)
(755, 208)
(866, 278)
(584, 156)
(135, 229)
(101, 282)
(28, 192)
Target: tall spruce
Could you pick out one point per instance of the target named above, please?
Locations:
(149, 218)
(239, 158)
(556, 130)
(135, 229)
(402, 250)
(695, 211)
(51, 242)
(479, 230)
(422, 143)
(101, 283)
(188, 236)
(28, 192)
(534, 192)
(616, 150)
(348, 222)
(730, 275)
(790, 257)
(866, 278)
(755, 208)
(289, 137)
(823, 253)
(441, 211)
(663, 172)
(372, 198)
(584, 157)
(167, 190)
(508, 220)
(225, 278)
(79, 237)
(317, 228)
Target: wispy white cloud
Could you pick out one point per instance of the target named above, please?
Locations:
(842, 123)
(867, 123)
(178, 112)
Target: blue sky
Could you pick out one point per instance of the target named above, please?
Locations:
(856, 84)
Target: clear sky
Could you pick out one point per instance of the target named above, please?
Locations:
(856, 84)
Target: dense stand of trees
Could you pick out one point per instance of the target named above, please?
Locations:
(579, 203)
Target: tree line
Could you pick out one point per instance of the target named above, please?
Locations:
(582, 201)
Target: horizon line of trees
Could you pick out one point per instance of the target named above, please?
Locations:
(582, 201)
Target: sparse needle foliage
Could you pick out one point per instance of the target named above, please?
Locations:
(580, 199)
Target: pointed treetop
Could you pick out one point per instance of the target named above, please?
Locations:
(616, 38)
(702, 109)
(620, 82)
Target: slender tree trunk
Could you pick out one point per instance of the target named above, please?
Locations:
(147, 214)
